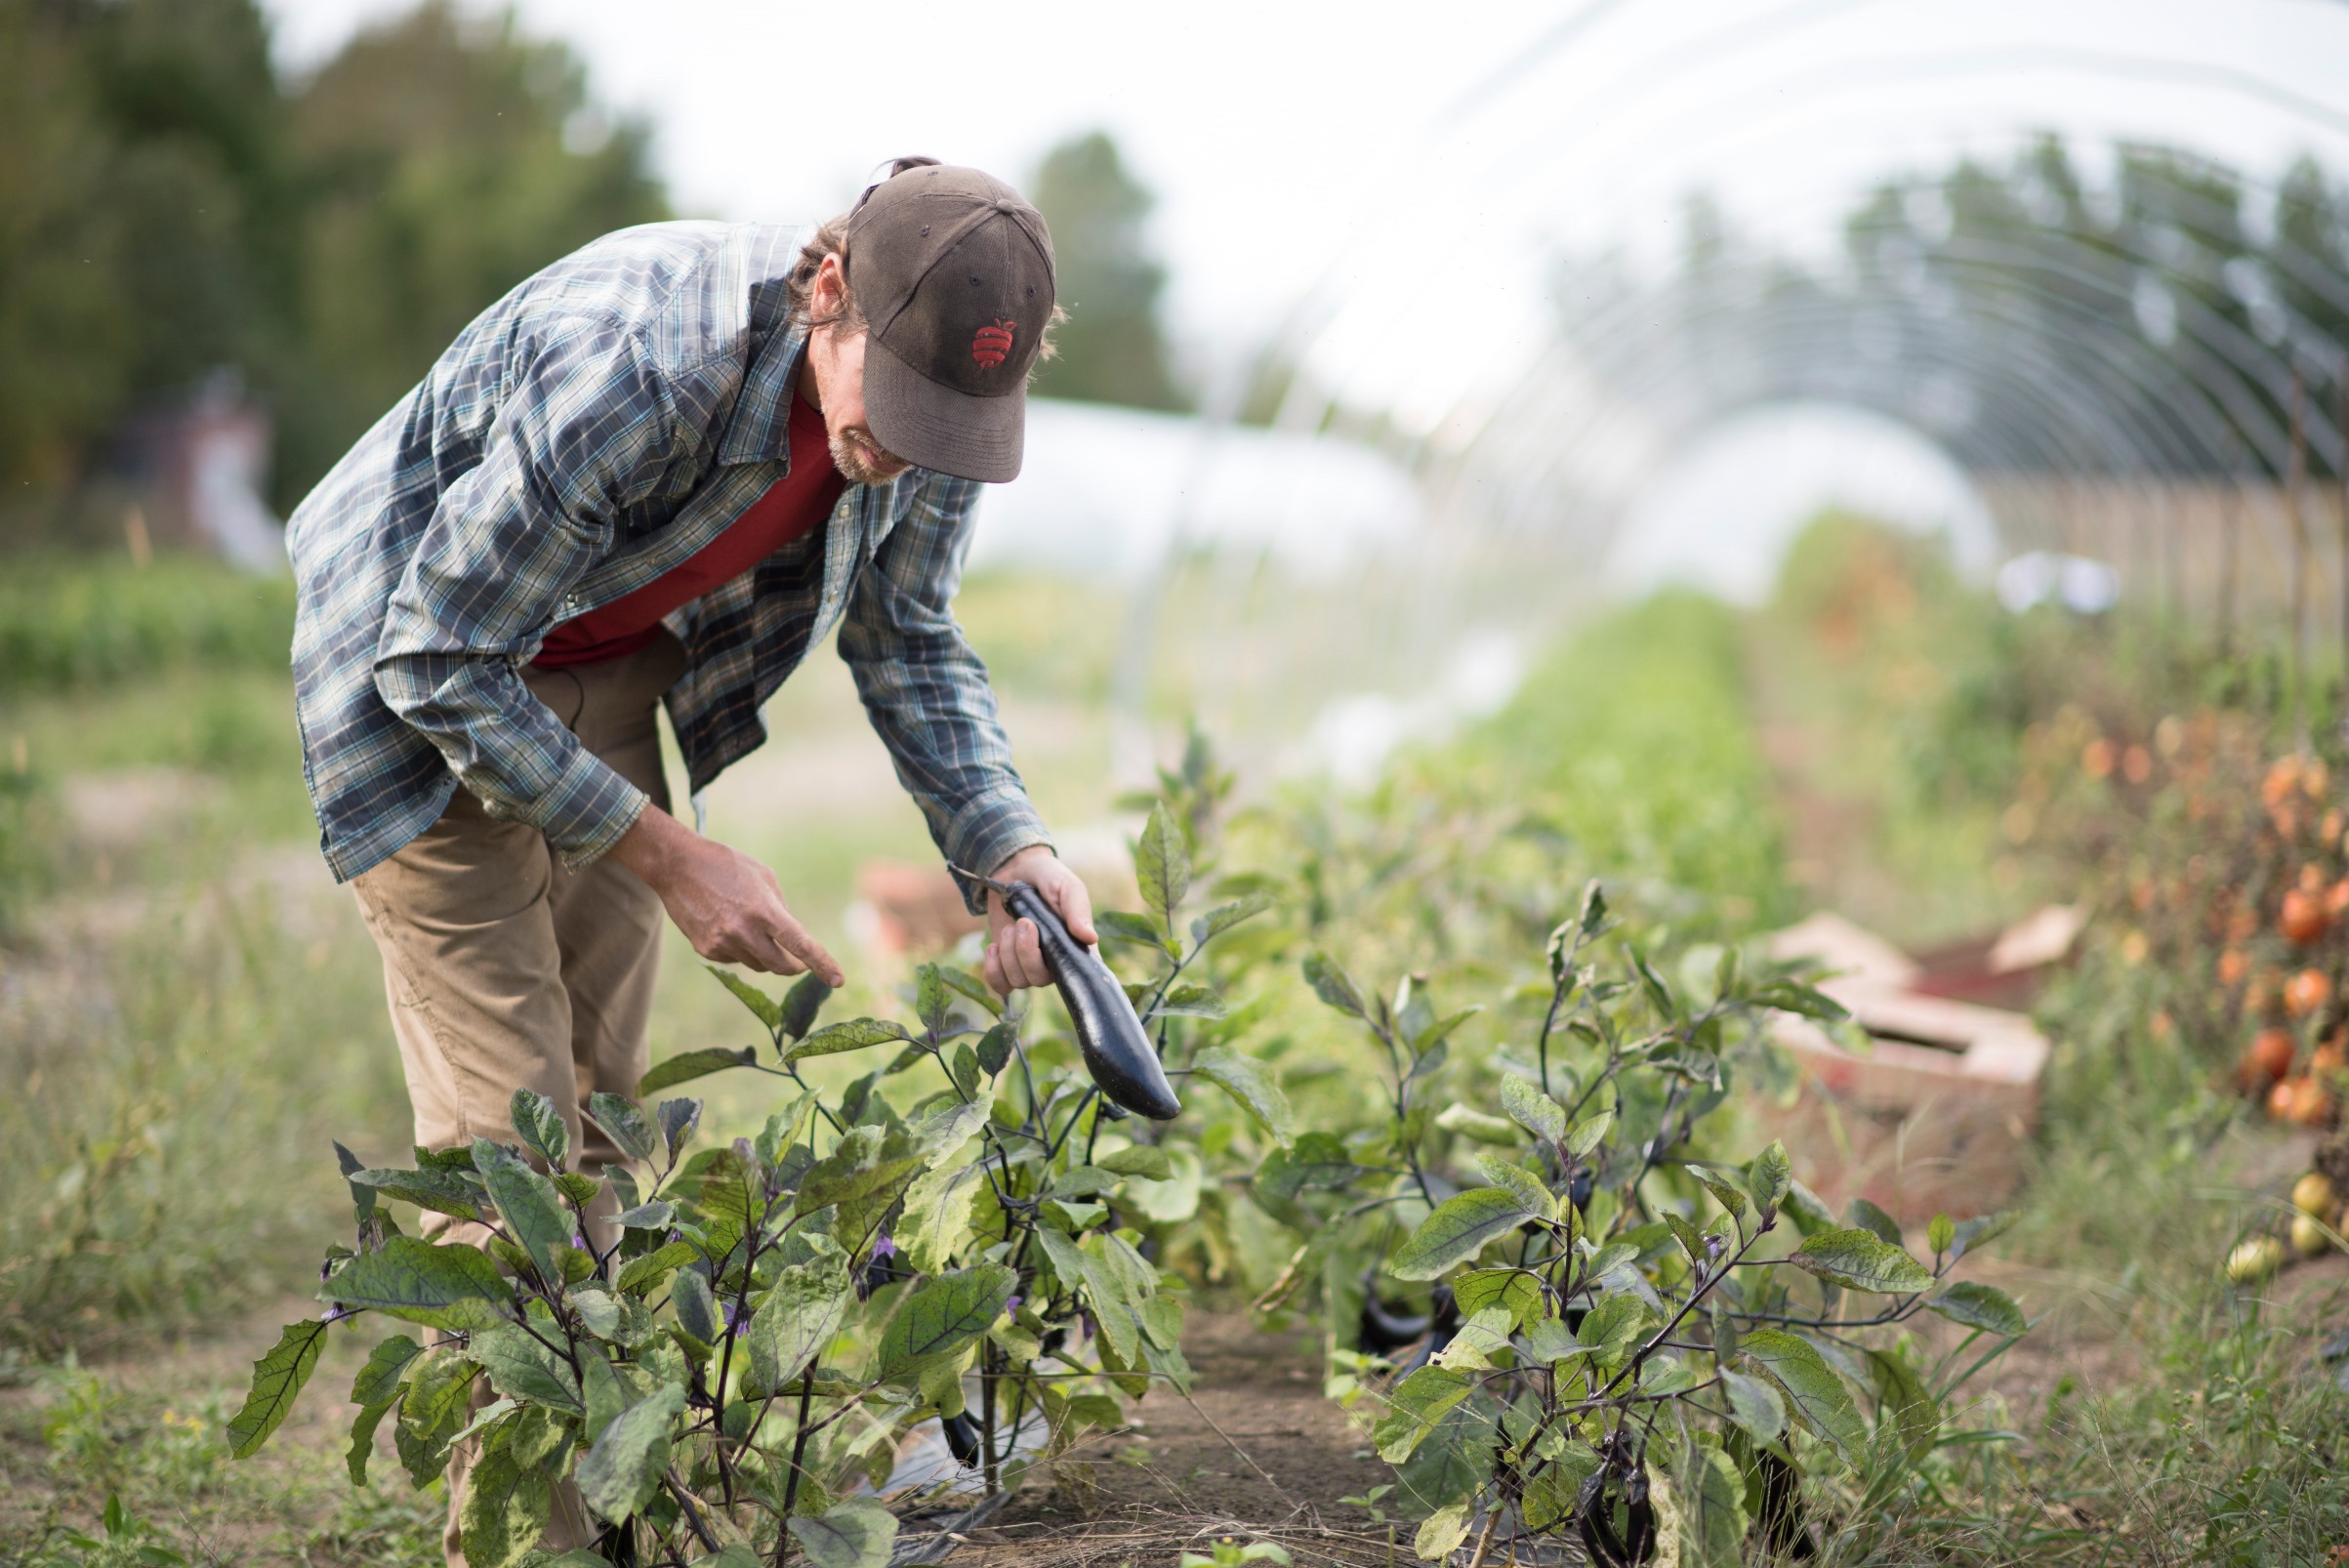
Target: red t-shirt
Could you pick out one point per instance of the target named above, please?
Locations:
(794, 504)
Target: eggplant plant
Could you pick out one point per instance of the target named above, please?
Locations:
(1627, 1344)
(724, 1344)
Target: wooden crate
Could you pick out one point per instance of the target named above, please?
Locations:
(1932, 1119)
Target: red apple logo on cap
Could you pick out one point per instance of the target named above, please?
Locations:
(990, 345)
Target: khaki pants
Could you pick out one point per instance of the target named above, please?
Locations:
(506, 970)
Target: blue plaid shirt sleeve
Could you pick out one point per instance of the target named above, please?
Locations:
(584, 431)
(925, 689)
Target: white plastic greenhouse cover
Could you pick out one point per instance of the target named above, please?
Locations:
(2131, 363)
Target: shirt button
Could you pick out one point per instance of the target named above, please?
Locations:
(571, 602)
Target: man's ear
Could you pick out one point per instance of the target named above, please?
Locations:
(830, 292)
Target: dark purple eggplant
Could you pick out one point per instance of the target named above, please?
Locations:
(961, 1439)
(1117, 1048)
(1443, 1322)
(1383, 1327)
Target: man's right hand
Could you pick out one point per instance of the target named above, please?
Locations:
(730, 906)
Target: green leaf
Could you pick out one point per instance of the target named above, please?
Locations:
(1223, 916)
(639, 1276)
(1981, 1306)
(762, 1007)
(1415, 1409)
(1904, 1405)
(1458, 1231)
(679, 1119)
(936, 1222)
(1979, 1232)
(537, 1435)
(1441, 1533)
(278, 1380)
(1123, 926)
(1436, 1033)
(1805, 1208)
(1862, 1261)
(944, 1313)
(1246, 1080)
(688, 1065)
(696, 1305)
(929, 998)
(1691, 1242)
(1162, 862)
(1814, 1394)
(439, 1397)
(994, 1049)
(1712, 1511)
(803, 1310)
(856, 1533)
(520, 1368)
(362, 1442)
(625, 1123)
(1522, 1184)
(1513, 1288)
(506, 1509)
(1660, 994)
(1587, 1133)
(1614, 1327)
(1334, 986)
(1725, 1192)
(1806, 1001)
(1866, 1216)
(541, 1126)
(618, 1475)
(1189, 1002)
(1769, 1176)
(439, 1286)
(1469, 1122)
(972, 988)
(1755, 1405)
(853, 1035)
(441, 1191)
(1145, 1160)
(1940, 1233)
(1544, 1118)
(866, 1161)
(386, 1368)
(528, 1202)
(801, 1004)
(362, 1199)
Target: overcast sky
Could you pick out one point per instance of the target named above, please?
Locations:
(1289, 142)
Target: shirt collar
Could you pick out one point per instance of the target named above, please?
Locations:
(760, 429)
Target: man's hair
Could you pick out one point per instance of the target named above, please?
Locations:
(832, 239)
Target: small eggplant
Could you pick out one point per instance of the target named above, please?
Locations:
(1443, 1323)
(961, 1439)
(1382, 1328)
(1117, 1048)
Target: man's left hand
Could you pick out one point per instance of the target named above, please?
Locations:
(1015, 954)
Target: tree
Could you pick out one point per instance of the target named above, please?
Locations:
(1111, 348)
(445, 161)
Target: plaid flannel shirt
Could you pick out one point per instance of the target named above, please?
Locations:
(591, 430)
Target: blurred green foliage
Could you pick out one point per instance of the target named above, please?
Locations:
(68, 622)
(1110, 349)
(169, 204)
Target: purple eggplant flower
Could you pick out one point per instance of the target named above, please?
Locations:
(1714, 1246)
(579, 1239)
(1012, 1305)
(336, 1313)
(738, 1319)
(883, 1246)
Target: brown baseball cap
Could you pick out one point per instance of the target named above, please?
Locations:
(954, 273)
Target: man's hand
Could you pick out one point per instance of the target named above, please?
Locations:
(1014, 954)
(730, 906)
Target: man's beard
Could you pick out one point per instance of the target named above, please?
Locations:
(855, 460)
